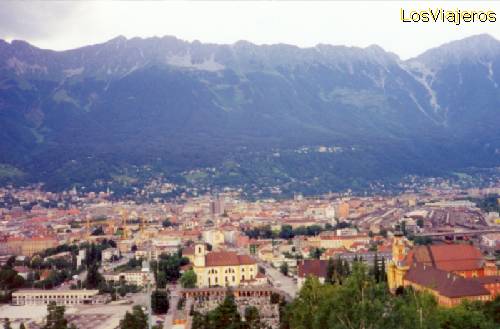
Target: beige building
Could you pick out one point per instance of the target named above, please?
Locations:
(60, 297)
(213, 237)
(138, 278)
(223, 268)
(335, 241)
(30, 246)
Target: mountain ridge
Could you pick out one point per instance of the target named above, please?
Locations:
(185, 105)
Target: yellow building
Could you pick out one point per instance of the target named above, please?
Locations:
(396, 268)
(222, 268)
(335, 241)
(452, 273)
(30, 246)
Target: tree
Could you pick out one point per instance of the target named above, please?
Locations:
(180, 303)
(170, 265)
(252, 318)
(316, 253)
(361, 302)
(160, 301)
(304, 308)
(330, 270)
(55, 317)
(376, 268)
(188, 279)
(286, 232)
(135, 320)
(225, 315)
(284, 268)
(492, 310)
(383, 273)
(94, 278)
(199, 321)
(6, 324)
(275, 298)
(161, 280)
(22, 326)
(465, 315)
(98, 231)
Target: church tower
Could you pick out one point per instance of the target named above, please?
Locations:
(396, 269)
(199, 254)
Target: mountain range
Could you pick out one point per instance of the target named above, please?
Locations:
(321, 118)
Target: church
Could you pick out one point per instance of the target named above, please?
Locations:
(224, 268)
(451, 272)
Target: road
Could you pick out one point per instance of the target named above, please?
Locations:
(280, 281)
(461, 233)
(174, 299)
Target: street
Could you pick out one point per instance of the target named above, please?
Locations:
(280, 281)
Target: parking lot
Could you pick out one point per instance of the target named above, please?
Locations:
(105, 316)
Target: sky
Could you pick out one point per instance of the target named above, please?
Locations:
(64, 25)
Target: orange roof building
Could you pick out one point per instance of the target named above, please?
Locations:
(222, 268)
(451, 272)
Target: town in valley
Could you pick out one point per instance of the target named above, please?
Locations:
(99, 256)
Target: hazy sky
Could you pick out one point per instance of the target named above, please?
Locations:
(64, 25)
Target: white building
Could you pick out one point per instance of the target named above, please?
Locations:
(138, 278)
(60, 297)
(110, 253)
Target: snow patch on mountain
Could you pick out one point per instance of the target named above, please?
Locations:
(186, 61)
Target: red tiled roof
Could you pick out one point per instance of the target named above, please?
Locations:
(488, 279)
(314, 267)
(227, 258)
(454, 257)
(445, 283)
(188, 251)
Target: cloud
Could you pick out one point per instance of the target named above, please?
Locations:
(34, 20)
(63, 25)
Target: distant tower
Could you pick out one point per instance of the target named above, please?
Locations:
(217, 206)
(396, 269)
(199, 254)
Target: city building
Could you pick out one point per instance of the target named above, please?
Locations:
(29, 246)
(452, 273)
(60, 297)
(222, 268)
(110, 254)
(311, 267)
(138, 278)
